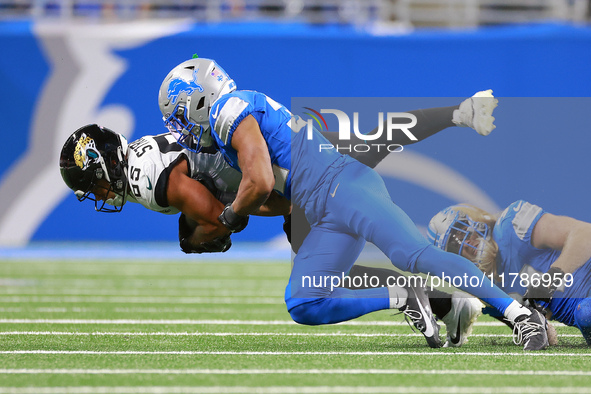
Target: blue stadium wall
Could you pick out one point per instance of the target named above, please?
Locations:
(55, 77)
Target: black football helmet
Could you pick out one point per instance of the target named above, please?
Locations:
(93, 153)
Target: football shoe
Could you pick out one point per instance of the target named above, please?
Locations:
(476, 112)
(530, 331)
(418, 311)
(460, 319)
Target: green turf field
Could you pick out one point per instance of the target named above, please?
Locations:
(183, 327)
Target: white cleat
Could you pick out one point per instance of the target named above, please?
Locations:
(476, 112)
(459, 321)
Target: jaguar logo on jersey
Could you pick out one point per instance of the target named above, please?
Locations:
(179, 85)
(85, 152)
(377, 139)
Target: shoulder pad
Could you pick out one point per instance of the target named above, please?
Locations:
(224, 115)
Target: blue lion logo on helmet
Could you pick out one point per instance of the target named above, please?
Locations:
(179, 85)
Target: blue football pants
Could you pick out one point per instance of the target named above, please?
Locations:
(359, 208)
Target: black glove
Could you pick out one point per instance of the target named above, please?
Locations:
(545, 293)
(233, 222)
(187, 227)
(220, 244)
(287, 227)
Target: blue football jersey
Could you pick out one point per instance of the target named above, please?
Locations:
(273, 118)
(295, 153)
(513, 232)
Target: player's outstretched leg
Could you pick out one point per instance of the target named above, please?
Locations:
(459, 321)
(418, 310)
(376, 219)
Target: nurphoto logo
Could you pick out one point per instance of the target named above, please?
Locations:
(356, 141)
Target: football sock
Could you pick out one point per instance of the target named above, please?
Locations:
(514, 310)
(398, 296)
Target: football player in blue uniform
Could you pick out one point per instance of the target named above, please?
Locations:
(532, 254)
(345, 202)
(99, 165)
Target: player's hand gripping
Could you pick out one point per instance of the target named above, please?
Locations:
(186, 228)
(233, 222)
(476, 112)
(220, 244)
(545, 290)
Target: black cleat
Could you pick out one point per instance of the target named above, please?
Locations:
(530, 331)
(418, 310)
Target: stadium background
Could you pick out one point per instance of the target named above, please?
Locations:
(58, 74)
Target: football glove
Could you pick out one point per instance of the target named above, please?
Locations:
(233, 222)
(220, 244)
(186, 228)
(544, 291)
(476, 112)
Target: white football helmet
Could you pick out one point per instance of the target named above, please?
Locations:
(185, 99)
(464, 230)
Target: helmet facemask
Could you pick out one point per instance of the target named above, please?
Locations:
(185, 98)
(190, 135)
(465, 236)
(454, 231)
(107, 205)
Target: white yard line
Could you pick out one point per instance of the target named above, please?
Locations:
(156, 309)
(140, 300)
(238, 334)
(211, 322)
(248, 371)
(141, 292)
(296, 353)
(292, 390)
(213, 334)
